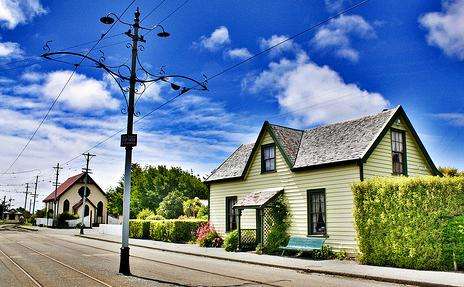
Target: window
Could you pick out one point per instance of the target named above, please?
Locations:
(398, 152)
(66, 206)
(86, 210)
(231, 218)
(268, 158)
(316, 212)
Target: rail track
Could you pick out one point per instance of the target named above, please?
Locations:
(50, 241)
(34, 280)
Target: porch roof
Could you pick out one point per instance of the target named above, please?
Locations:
(258, 199)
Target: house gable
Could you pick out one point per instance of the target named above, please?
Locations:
(377, 161)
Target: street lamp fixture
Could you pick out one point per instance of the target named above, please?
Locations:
(136, 86)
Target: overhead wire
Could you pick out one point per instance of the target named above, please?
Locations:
(224, 70)
(61, 91)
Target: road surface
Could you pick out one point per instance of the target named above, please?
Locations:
(48, 258)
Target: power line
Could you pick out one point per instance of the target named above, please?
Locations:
(168, 16)
(64, 87)
(152, 10)
(225, 70)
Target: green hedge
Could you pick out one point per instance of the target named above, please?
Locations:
(169, 230)
(410, 222)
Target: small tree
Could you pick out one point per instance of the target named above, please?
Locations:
(192, 207)
(145, 214)
(172, 205)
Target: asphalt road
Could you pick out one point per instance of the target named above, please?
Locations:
(50, 258)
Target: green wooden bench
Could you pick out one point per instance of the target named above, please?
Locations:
(300, 243)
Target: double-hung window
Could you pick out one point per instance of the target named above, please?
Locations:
(268, 159)
(316, 212)
(398, 143)
(231, 218)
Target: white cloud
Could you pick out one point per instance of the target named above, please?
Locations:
(239, 53)
(315, 94)
(288, 46)
(217, 39)
(446, 28)
(14, 12)
(336, 35)
(82, 93)
(32, 76)
(10, 50)
(456, 119)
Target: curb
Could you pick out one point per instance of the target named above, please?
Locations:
(298, 269)
(26, 228)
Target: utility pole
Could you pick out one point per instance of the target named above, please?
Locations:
(136, 86)
(86, 170)
(27, 191)
(30, 204)
(35, 193)
(55, 207)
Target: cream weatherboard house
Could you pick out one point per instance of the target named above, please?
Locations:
(315, 169)
(69, 199)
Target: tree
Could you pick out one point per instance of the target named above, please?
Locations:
(171, 206)
(151, 184)
(450, 171)
(192, 207)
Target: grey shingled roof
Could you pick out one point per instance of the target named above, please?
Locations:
(258, 198)
(340, 141)
(289, 139)
(332, 143)
(233, 166)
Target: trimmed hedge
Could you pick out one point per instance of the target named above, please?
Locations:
(410, 222)
(169, 230)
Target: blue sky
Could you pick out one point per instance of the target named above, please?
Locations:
(377, 56)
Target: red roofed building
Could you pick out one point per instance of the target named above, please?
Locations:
(68, 197)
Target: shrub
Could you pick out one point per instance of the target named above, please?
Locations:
(207, 236)
(65, 216)
(179, 231)
(408, 222)
(171, 207)
(231, 241)
(323, 254)
(139, 229)
(203, 212)
(191, 207)
(144, 214)
(154, 217)
(280, 222)
(454, 238)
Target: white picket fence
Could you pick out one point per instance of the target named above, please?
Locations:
(71, 223)
(43, 222)
(111, 229)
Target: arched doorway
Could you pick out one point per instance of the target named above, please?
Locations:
(99, 212)
(66, 206)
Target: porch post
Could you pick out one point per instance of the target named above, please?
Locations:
(239, 215)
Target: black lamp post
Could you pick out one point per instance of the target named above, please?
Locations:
(129, 140)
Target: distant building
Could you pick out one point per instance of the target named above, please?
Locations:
(11, 216)
(69, 199)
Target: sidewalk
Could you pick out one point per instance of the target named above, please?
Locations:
(332, 267)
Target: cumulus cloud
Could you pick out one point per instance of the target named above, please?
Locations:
(336, 35)
(238, 53)
(219, 38)
(315, 94)
(288, 46)
(15, 12)
(446, 28)
(82, 93)
(10, 50)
